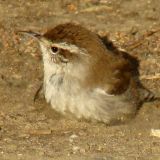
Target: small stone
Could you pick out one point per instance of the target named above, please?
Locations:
(155, 132)
(72, 137)
(75, 149)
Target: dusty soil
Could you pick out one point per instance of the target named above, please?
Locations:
(32, 130)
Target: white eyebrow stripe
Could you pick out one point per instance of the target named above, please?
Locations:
(71, 47)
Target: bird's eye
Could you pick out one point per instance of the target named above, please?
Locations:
(54, 49)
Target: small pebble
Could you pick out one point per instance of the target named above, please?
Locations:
(155, 132)
(75, 149)
(72, 137)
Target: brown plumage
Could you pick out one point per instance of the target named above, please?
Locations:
(87, 76)
(117, 67)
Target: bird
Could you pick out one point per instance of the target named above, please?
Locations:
(88, 77)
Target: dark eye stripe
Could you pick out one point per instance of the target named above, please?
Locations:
(54, 49)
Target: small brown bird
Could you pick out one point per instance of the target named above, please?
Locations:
(87, 76)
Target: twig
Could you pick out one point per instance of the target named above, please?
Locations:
(96, 9)
(140, 41)
(39, 132)
(150, 77)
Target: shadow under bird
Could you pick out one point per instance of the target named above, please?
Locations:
(88, 77)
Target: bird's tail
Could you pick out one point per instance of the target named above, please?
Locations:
(146, 95)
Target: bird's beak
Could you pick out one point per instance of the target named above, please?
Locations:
(32, 34)
(38, 36)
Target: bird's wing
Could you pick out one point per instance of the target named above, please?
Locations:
(123, 70)
(119, 77)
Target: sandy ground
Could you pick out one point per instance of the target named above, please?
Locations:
(32, 130)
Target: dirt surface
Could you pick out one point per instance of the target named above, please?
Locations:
(32, 130)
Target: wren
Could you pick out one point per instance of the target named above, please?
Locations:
(86, 76)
